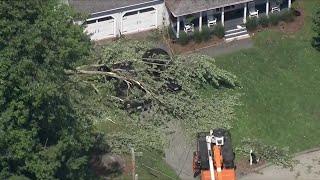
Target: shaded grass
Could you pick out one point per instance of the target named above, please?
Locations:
(281, 82)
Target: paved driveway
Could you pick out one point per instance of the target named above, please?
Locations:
(308, 168)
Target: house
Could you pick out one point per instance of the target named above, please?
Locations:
(111, 18)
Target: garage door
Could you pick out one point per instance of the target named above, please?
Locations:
(140, 20)
(101, 28)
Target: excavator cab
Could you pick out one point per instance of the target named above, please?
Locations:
(214, 158)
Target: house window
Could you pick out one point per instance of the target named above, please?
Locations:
(218, 9)
(105, 19)
(146, 10)
(91, 21)
(131, 13)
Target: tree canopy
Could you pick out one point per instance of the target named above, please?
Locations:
(42, 136)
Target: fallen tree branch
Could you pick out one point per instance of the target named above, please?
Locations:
(110, 74)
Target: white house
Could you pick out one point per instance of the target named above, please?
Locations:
(110, 18)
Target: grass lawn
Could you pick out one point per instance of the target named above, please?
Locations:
(281, 85)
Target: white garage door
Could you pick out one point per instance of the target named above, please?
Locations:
(141, 20)
(101, 28)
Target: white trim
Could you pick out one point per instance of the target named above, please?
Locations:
(200, 21)
(289, 4)
(124, 7)
(232, 30)
(245, 9)
(240, 32)
(178, 26)
(222, 16)
(267, 8)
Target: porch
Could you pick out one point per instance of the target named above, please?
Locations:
(231, 16)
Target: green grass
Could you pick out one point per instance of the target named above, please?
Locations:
(281, 85)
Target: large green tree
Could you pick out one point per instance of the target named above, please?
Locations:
(42, 136)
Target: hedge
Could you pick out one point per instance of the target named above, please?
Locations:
(183, 38)
(219, 30)
(206, 33)
(252, 24)
(263, 21)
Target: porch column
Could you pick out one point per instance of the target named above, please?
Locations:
(245, 13)
(267, 8)
(289, 4)
(222, 16)
(178, 26)
(200, 21)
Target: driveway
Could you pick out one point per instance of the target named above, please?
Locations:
(308, 168)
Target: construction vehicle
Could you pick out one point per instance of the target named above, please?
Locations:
(214, 158)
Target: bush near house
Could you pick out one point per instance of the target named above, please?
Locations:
(252, 24)
(197, 36)
(274, 19)
(287, 16)
(183, 38)
(171, 33)
(219, 31)
(206, 33)
(263, 21)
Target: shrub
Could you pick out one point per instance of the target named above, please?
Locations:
(171, 33)
(197, 36)
(274, 19)
(219, 30)
(263, 21)
(287, 16)
(252, 24)
(206, 33)
(183, 38)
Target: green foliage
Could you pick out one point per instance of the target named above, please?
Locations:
(171, 33)
(252, 24)
(219, 30)
(42, 136)
(274, 19)
(197, 36)
(287, 16)
(206, 33)
(146, 130)
(266, 152)
(263, 21)
(183, 38)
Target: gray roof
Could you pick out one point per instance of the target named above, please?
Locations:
(94, 6)
(184, 7)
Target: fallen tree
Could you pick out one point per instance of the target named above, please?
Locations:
(143, 88)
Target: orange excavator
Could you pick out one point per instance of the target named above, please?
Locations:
(214, 158)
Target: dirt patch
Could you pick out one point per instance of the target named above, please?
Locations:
(294, 26)
(192, 46)
(244, 168)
